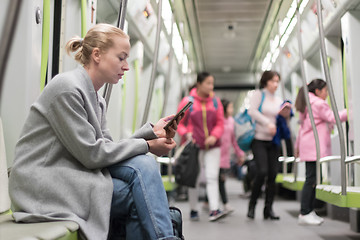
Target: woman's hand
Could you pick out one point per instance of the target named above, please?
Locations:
(189, 137)
(272, 129)
(241, 160)
(285, 112)
(296, 155)
(168, 132)
(210, 141)
(161, 146)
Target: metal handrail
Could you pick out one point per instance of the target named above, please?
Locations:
(332, 98)
(154, 64)
(348, 160)
(329, 159)
(306, 93)
(7, 34)
(120, 24)
(352, 159)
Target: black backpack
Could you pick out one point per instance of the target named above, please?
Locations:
(176, 219)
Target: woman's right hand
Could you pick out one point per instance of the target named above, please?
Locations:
(161, 146)
(272, 129)
(189, 136)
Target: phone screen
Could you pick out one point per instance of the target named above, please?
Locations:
(178, 115)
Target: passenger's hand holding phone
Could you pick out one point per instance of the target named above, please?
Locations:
(169, 132)
(179, 115)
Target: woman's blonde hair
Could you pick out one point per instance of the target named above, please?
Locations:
(99, 36)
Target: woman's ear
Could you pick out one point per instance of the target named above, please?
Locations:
(96, 55)
(317, 92)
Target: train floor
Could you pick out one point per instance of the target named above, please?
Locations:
(238, 226)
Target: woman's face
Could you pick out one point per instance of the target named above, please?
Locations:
(273, 84)
(323, 93)
(113, 63)
(229, 110)
(206, 87)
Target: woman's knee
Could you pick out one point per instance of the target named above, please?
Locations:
(144, 164)
(130, 168)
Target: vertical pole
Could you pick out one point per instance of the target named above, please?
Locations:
(12, 16)
(154, 64)
(120, 24)
(332, 98)
(306, 93)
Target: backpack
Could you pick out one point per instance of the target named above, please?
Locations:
(176, 220)
(245, 128)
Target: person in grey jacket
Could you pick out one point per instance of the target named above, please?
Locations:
(67, 167)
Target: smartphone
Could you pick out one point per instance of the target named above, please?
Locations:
(178, 115)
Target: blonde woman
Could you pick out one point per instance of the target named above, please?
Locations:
(67, 167)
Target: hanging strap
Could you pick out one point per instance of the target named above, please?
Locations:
(191, 99)
(262, 100)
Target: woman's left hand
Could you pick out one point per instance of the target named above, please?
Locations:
(210, 141)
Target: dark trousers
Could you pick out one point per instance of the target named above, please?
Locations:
(222, 178)
(266, 156)
(308, 191)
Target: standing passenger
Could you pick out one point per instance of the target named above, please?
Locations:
(265, 152)
(203, 124)
(67, 167)
(228, 140)
(305, 143)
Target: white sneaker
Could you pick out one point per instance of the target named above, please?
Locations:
(316, 216)
(308, 219)
(228, 209)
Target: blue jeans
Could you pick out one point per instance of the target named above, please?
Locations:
(139, 206)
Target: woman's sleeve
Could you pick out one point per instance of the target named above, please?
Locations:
(182, 126)
(301, 119)
(218, 130)
(236, 147)
(254, 109)
(69, 120)
(326, 114)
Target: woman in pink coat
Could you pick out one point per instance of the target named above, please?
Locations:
(305, 143)
(228, 140)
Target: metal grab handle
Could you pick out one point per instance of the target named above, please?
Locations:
(332, 98)
(154, 64)
(120, 24)
(306, 93)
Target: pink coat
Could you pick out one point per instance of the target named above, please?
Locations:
(203, 119)
(324, 121)
(228, 139)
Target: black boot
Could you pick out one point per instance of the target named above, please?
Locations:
(251, 212)
(268, 213)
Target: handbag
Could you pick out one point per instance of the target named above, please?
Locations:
(187, 166)
(245, 127)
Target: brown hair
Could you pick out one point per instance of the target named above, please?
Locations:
(267, 76)
(99, 36)
(300, 103)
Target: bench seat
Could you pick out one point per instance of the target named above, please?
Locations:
(61, 230)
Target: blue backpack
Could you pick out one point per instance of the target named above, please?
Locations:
(245, 128)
